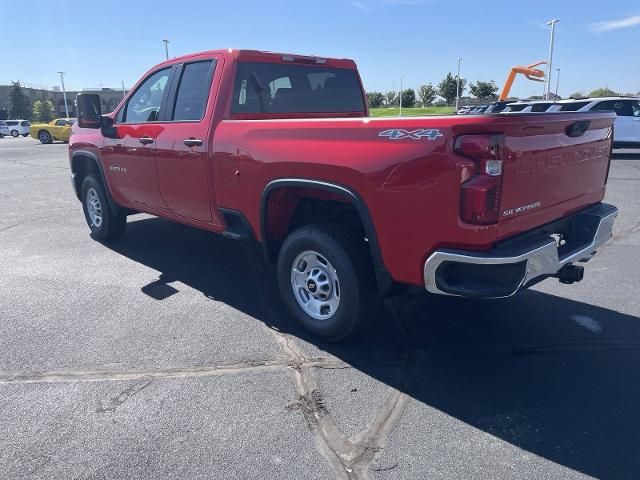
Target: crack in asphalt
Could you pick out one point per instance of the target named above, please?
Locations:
(125, 395)
(350, 458)
(222, 368)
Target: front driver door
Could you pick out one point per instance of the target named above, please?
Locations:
(130, 157)
(184, 173)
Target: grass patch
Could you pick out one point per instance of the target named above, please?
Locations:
(410, 112)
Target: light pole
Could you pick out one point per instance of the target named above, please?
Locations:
(458, 85)
(166, 49)
(557, 81)
(124, 92)
(550, 62)
(64, 94)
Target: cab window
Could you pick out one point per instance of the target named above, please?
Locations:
(144, 104)
(61, 123)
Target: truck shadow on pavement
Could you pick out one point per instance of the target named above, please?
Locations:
(555, 377)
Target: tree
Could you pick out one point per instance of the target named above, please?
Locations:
(448, 88)
(577, 95)
(375, 99)
(20, 107)
(427, 94)
(484, 90)
(391, 98)
(4, 114)
(43, 110)
(603, 92)
(408, 98)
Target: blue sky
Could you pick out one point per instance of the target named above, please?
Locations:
(102, 43)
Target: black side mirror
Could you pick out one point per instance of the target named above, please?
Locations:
(89, 110)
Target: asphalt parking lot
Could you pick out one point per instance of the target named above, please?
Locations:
(168, 355)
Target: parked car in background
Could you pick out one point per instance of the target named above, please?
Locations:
(464, 109)
(4, 130)
(478, 109)
(626, 129)
(58, 129)
(569, 105)
(18, 127)
(527, 106)
(499, 106)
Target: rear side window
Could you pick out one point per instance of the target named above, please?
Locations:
(193, 91)
(25, 124)
(621, 107)
(540, 107)
(294, 88)
(573, 106)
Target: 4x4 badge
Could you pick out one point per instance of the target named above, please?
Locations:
(399, 134)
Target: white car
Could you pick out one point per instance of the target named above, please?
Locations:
(524, 106)
(4, 130)
(18, 127)
(626, 129)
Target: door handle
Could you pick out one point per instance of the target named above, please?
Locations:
(192, 142)
(145, 140)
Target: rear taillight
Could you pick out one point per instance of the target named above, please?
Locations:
(480, 192)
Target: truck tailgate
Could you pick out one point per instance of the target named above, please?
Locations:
(554, 164)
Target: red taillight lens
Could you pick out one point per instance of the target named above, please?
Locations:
(480, 195)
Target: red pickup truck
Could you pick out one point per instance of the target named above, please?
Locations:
(279, 150)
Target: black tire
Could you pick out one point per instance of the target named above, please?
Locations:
(15, 134)
(110, 226)
(347, 252)
(45, 137)
(25, 135)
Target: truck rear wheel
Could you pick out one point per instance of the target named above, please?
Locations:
(104, 224)
(326, 280)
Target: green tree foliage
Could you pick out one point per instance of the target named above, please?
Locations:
(427, 94)
(43, 110)
(391, 98)
(577, 95)
(603, 92)
(4, 114)
(484, 90)
(375, 99)
(447, 88)
(20, 107)
(408, 98)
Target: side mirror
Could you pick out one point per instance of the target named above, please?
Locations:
(89, 110)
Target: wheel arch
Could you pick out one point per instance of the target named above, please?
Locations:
(383, 277)
(83, 163)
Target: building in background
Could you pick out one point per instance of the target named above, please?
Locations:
(110, 98)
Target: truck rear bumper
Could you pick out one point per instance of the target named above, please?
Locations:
(523, 260)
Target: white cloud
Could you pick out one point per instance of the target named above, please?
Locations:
(615, 24)
(360, 5)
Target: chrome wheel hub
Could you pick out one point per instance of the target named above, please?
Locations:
(94, 207)
(315, 285)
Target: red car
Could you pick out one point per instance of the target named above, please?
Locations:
(279, 149)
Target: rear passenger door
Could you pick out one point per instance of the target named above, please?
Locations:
(182, 159)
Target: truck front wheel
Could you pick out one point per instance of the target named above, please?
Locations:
(326, 280)
(104, 224)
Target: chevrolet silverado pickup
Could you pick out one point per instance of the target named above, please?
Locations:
(278, 151)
